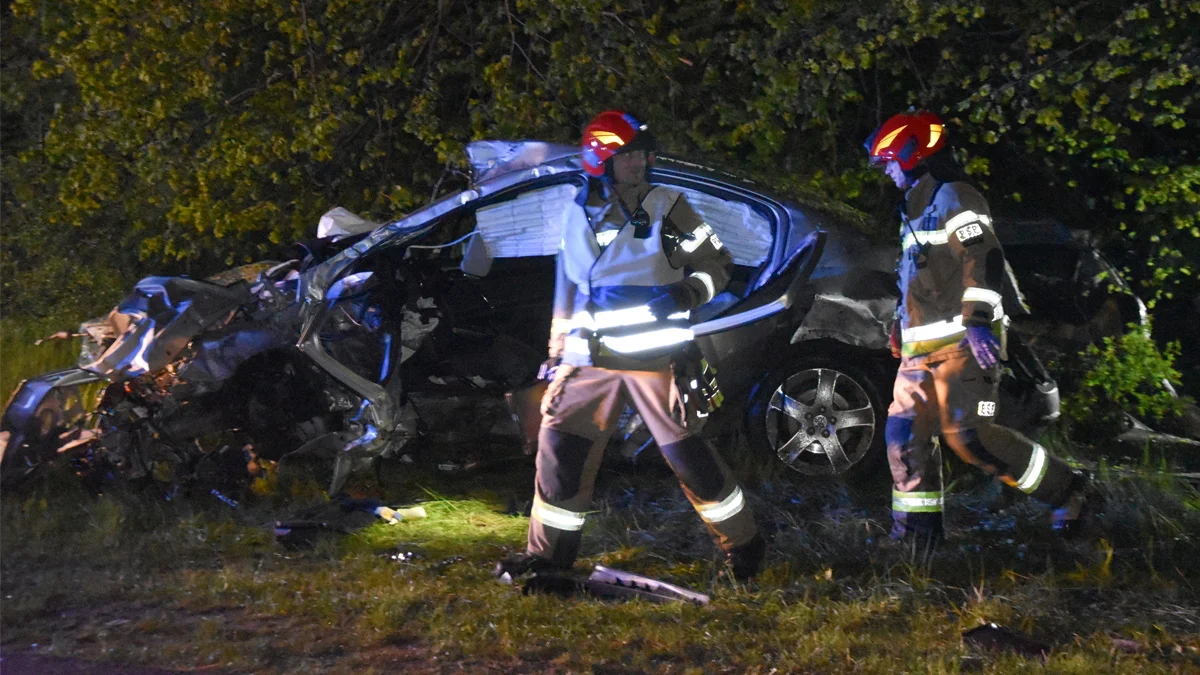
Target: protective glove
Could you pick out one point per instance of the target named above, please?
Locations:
(548, 367)
(676, 298)
(894, 339)
(984, 346)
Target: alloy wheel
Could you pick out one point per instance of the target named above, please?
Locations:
(820, 421)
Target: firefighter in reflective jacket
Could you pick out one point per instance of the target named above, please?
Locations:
(635, 259)
(949, 334)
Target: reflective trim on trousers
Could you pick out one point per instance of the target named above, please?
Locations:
(917, 502)
(1035, 472)
(724, 509)
(553, 516)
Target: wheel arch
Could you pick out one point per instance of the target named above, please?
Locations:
(879, 366)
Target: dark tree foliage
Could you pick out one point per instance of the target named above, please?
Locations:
(187, 136)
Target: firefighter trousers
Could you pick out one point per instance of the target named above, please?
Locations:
(952, 395)
(580, 409)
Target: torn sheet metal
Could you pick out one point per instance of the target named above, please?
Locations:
(863, 323)
(219, 355)
(492, 159)
(338, 222)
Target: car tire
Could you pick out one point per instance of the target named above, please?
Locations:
(837, 397)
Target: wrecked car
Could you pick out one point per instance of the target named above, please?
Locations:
(419, 328)
(799, 337)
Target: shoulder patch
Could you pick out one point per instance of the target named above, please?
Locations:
(969, 234)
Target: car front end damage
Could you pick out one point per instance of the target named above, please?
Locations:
(177, 361)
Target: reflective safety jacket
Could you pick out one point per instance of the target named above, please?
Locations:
(952, 269)
(616, 258)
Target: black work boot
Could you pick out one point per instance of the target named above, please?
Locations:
(745, 559)
(518, 564)
(1068, 518)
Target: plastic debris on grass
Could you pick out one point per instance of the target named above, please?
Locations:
(611, 584)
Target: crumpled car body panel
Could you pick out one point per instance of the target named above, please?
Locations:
(182, 338)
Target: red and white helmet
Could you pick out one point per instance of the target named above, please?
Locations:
(611, 133)
(908, 138)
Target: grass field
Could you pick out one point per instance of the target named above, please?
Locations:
(195, 584)
(21, 358)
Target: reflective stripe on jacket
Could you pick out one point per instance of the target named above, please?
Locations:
(952, 269)
(606, 287)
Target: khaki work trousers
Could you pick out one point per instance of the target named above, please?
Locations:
(579, 412)
(952, 395)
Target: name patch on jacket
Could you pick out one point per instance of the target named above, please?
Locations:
(969, 234)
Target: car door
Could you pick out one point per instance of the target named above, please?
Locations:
(492, 327)
(754, 312)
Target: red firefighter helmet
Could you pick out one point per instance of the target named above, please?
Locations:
(611, 133)
(907, 138)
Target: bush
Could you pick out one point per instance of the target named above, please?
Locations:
(1125, 374)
